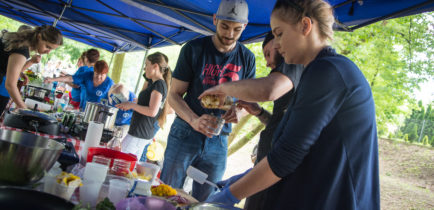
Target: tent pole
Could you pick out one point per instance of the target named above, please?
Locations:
(111, 59)
(141, 70)
(61, 14)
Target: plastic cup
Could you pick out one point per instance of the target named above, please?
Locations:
(219, 122)
(89, 192)
(49, 184)
(147, 170)
(95, 172)
(64, 191)
(118, 190)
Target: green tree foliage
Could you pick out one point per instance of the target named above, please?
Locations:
(425, 140)
(406, 137)
(420, 123)
(412, 136)
(395, 57)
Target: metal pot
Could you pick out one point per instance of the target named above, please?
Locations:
(100, 113)
(25, 157)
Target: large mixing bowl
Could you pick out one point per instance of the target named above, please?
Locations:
(24, 157)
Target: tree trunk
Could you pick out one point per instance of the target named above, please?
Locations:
(117, 67)
(245, 139)
(237, 128)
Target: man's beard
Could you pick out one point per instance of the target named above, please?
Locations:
(222, 40)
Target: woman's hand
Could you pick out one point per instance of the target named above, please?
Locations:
(125, 105)
(48, 80)
(25, 78)
(35, 59)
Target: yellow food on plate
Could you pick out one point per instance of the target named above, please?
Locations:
(163, 190)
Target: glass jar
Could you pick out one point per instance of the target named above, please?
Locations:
(120, 167)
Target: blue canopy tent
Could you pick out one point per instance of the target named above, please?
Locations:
(131, 25)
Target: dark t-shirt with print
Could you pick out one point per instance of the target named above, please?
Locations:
(203, 66)
(142, 126)
(4, 57)
(293, 72)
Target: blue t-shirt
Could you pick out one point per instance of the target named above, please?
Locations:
(3, 91)
(325, 148)
(93, 94)
(124, 117)
(79, 94)
(203, 66)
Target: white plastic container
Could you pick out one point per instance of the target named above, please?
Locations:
(147, 170)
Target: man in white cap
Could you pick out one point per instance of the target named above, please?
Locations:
(202, 64)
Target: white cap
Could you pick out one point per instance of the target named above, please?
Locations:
(233, 10)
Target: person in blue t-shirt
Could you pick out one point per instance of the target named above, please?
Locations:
(78, 95)
(118, 93)
(324, 152)
(202, 64)
(96, 83)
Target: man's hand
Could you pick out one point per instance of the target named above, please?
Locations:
(204, 124)
(251, 108)
(233, 115)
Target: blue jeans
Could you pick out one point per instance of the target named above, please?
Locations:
(187, 147)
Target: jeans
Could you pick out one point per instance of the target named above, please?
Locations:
(187, 147)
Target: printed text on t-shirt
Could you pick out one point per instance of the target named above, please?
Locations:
(228, 72)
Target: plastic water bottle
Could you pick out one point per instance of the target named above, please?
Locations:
(52, 95)
(64, 100)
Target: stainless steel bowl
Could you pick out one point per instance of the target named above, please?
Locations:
(24, 157)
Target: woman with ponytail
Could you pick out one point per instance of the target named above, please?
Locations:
(150, 107)
(15, 49)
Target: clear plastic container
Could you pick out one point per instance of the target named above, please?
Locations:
(120, 167)
(218, 124)
(101, 160)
